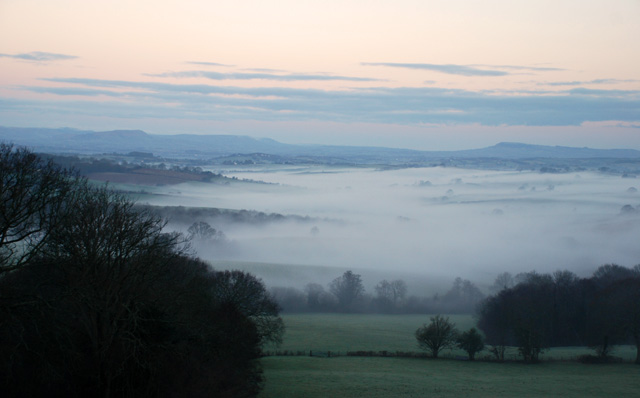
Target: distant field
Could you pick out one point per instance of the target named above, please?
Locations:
(366, 332)
(357, 332)
(411, 377)
(304, 376)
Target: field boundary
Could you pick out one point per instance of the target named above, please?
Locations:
(413, 354)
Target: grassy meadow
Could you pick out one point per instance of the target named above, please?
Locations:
(412, 377)
(357, 332)
(375, 332)
(304, 376)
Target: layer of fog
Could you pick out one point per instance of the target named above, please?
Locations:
(439, 222)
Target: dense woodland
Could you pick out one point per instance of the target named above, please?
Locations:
(545, 310)
(96, 300)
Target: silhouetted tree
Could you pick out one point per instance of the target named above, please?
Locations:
(502, 282)
(393, 291)
(439, 334)
(532, 315)
(111, 256)
(389, 295)
(463, 296)
(289, 299)
(348, 289)
(604, 326)
(318, 299)
(35, 196)
(495, 320)
(616, 315)
(203, 232)
(471, 341)
(624, 301)
(608, 274)
(569, 309)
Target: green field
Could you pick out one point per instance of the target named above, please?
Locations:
(371, 332)
(304, 376)
(409, 377)
(357, 332)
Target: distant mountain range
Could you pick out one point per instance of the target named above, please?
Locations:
(72, 141)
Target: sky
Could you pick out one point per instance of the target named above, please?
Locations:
(432, 75)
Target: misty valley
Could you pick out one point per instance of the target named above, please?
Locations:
(428, 225)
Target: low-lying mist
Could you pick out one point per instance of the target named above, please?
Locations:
(433, 222)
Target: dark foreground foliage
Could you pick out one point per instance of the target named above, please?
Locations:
(95, 300)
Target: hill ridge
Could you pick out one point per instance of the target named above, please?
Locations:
(67, 140)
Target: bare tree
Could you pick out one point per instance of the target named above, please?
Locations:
(608, 274)
(502, 282)
(462, 297)
(203, 232)
(111, 256)
(394, 291)
(437, 335)
(35, 196)
(316, 296)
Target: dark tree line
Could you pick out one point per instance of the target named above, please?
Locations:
(346, 293)
(95, 300)
(118, 164)
(543, 310)
(189, 215)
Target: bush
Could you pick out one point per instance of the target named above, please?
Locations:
(472, 342)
